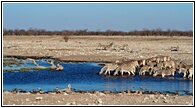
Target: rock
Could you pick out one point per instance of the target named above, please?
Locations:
(69, 86)
(164, 98)
(102, 94)
(65, 94)
(128, 91)
(27, 99)
(151, 96)
(167, 95)
(106, 92)
(53, 93)
(67, 103)
(137, 91)
(165, 101)
(155, 101)
(73, 103)
(94, 95)
(123, 92)
(6, 92)
(146, 98)
(140, 92)
(99, 101)
(39, 98)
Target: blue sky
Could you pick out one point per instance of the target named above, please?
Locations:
(98, 16)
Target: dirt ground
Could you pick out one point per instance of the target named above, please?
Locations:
(93, 99)
(84, 48)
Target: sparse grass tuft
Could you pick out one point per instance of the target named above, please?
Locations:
(8, 62)
(34, 69)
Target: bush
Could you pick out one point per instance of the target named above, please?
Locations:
(66, 38)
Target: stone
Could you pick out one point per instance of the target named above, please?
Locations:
(67, 103)
(161, 95)
(27, 99)
(146, 98)
(151, 96)
(73, 103)
(99, 101)
(155, 101)
(164, 98)
(39, 98)
(123, 92)
(165, 101)
(167, 95)
(102, 94)
(65, 94)
(140, 92)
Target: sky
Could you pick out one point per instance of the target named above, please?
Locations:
(125, 16)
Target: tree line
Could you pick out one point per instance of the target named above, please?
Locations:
(144, 32)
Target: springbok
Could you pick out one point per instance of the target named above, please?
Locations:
(170, 71)
(53, 65)
(145, 69)
(59, 67)
(169, 64)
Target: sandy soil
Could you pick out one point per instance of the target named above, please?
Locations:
(97, 98)
(83, 48)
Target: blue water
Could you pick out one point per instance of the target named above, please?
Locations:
(84, 76)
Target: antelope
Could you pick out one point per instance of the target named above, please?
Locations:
(108, 67)
(156, 69)
(153, 59)
(40, 67)
(163, 72)
(53, 66)
(142, 62)
(169, 64)
(170, 71)
(184, 68)
(144, 69)
(31, 60)
(106, 47)
(163, 58)
(190, 73)
(127, 66)
(59, 67)
(184, 71)
(160, 65)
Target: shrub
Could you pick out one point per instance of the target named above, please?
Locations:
(66, 38)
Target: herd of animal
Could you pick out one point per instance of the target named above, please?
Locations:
(57, 67)
(155, 66)
(112, 46)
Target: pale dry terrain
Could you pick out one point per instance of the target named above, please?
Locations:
(97, 98)
(83, 48)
